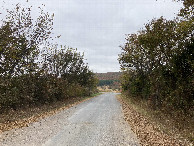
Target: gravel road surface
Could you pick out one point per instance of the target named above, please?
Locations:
(96, 122)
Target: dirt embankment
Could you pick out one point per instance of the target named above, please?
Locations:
(148, 133)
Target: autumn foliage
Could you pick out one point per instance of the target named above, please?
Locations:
(33, 70)
(157, 62)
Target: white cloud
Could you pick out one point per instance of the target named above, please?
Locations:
(98, 27)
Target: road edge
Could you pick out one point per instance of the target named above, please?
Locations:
(147, 132)
(26, 121)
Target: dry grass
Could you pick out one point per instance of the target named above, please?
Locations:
(154, 127)
(107, 89)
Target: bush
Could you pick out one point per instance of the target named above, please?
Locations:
(158, 63)
(24, 80)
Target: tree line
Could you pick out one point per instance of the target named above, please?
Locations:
(158, 62)
(105, 82)
(33, 70)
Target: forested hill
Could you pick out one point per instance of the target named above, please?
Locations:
(110, 80)
(109, 76)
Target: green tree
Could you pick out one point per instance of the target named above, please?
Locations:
(32, 69)
(20, 37)
(158, 61)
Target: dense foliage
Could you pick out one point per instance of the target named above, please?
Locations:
(105, 82)
(158, 61)
(109, 79)
(111, 84)
(33, 70)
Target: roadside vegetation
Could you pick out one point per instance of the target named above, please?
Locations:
(34, 71)
(157, 64)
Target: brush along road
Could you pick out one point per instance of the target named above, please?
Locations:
(98, 121)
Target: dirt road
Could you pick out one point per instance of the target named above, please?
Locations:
(98, 121)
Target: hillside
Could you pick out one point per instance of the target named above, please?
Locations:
(109, 80)
(109, 76)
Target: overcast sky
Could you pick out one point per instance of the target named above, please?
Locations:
(98, 27)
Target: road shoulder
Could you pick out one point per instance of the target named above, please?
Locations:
(25, 116)
(148, 133)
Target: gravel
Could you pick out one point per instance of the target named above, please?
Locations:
(95, 122)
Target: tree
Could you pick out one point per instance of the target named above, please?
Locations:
(32, 69)
(160, 60)
(20, 38)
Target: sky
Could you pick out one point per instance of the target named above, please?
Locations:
(99, 27)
